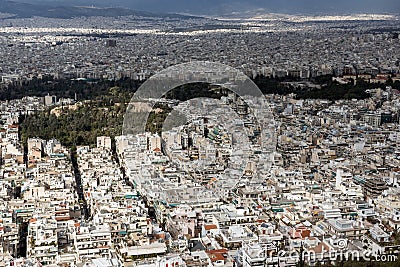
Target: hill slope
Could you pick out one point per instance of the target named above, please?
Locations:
(64, 11)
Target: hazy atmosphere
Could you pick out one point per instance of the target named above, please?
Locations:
(218, 7)
(213, 133)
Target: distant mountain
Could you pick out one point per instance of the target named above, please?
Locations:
(64, 10)
(226, 7)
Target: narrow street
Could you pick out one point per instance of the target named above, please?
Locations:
(82, 201)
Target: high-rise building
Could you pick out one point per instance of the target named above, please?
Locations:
(50, 100)
(154, 142)
(104, 142)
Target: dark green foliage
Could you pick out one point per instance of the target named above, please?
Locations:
(66, 88)
(323, 79)
(269, 85)
(330, 90)
(195, 90)
(335, 91)
(155, 120)
(103, 113)
(102, 116)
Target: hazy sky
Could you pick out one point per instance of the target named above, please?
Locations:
(227, 6)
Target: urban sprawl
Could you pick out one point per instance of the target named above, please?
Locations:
(202, 194)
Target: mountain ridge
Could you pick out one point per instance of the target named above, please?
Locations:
(28, 10)
(221, 7)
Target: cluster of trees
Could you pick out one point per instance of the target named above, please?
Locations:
(103, 114)
(104, 111)
(270, 85)
(195, 90)
(73, 127)
(66, 88)
(93, 88)
(330, 90)
(156, 119)
(336, 91)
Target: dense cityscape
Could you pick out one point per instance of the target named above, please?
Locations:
(322, 188)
